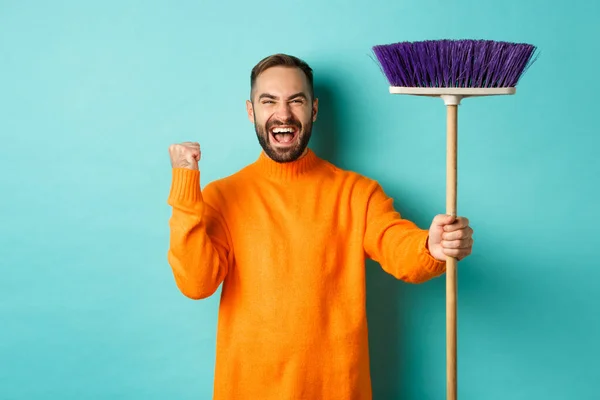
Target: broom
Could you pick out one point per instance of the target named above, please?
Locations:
(453, 70)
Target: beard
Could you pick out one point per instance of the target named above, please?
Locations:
(288, 154)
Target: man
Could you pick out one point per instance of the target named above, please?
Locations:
(287, 237)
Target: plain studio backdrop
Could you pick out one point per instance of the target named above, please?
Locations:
(93, 93)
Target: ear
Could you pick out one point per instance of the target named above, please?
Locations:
(315, 109)
(250, 110)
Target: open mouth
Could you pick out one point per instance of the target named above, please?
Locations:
(284, 135)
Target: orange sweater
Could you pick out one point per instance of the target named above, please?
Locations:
(289, 242)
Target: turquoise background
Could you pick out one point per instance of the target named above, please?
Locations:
(92, 94)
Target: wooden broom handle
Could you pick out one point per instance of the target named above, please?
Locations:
(451, 262)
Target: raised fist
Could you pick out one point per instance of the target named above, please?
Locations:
(185, 155)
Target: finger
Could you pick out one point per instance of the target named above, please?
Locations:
(193, 155)
(459, 254)
(196, 151)
(191, 144)
(464, 233)
(452, 252)
(175, 148)
(460, 223)
(457, 244)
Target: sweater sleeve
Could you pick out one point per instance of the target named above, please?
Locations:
(397, 244)
(199, 250)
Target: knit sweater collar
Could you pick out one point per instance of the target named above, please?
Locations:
(288, 170)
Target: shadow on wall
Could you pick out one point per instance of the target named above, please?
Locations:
(325, 136)
(384, 293)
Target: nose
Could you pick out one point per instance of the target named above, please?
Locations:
(283, 111)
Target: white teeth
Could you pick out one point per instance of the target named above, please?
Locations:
(283, 130)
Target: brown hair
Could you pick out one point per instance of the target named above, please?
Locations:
(284, 60)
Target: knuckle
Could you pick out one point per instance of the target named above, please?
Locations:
(451, 252)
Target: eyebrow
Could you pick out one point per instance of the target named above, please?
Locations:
(270, 96)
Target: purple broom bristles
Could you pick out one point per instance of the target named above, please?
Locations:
(455, 63)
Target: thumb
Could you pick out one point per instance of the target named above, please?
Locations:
(437, 227)
(443, 219)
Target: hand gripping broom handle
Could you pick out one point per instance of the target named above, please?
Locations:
(452, 103)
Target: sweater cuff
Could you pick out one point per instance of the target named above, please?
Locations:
(431, 263)
(185, 186)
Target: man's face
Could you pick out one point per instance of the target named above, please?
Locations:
(282, 112)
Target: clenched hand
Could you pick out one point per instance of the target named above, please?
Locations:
(450, 236)
(185, 155)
